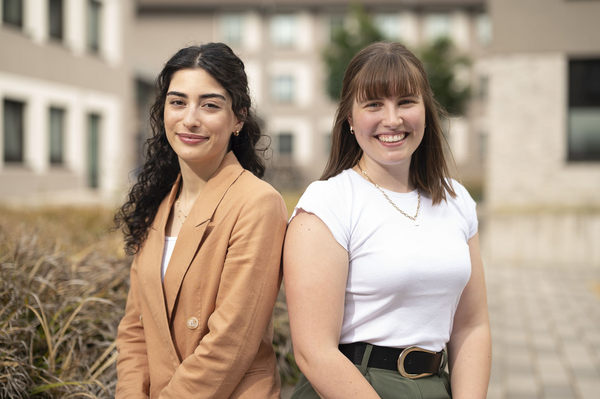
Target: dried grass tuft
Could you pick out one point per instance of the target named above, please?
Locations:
(64, 280)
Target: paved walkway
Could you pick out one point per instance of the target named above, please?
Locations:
(545, 331)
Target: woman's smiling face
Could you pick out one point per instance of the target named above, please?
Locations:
(390, 129)
(199, 118)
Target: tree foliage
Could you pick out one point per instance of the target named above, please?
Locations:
(346, 42)
(440, 58)
(442, 63)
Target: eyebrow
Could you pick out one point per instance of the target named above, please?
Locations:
(203, 96)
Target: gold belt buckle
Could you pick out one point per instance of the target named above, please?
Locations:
(402, 357)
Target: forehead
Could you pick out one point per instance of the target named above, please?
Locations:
(196, 82)
(387, 77)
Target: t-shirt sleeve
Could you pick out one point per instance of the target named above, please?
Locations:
(325, 202)
(469, 208)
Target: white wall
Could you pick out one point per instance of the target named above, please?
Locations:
(38, 96)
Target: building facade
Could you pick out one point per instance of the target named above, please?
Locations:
(281, 44)
(543, 112)
(65, 87)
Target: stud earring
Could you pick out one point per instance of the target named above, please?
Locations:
(236, 133)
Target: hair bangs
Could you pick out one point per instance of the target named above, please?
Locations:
(387, 75)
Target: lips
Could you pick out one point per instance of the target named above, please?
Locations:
(191, 139)
(392, 138)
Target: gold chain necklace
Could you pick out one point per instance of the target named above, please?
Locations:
(413, 218)
(179, 213)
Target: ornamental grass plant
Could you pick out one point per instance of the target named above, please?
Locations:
(64, 280)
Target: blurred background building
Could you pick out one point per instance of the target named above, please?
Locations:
(76, 81)
(67, 99)
(543, 118)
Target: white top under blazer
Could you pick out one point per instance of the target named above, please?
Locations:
(404, 281)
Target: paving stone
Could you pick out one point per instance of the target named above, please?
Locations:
(558, 391)
(589, 389)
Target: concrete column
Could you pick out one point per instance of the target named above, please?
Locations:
(409, 29)
(36, 134)
(460, 30)
(75, 25)
(36, 19)
(111, 32)
(305, 31)
(252, 31)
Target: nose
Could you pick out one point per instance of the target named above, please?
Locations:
(391, 116)
(191, 118)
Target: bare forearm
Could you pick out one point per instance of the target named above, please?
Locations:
(470, 360)
(333, 376)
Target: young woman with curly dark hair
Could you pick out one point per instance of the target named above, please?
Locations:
(207, 235)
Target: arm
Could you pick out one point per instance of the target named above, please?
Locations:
(132, 364)
(315, 272)
(244, 305)
(470, 347)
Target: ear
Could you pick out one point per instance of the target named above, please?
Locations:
(239, 124)
(349, 119)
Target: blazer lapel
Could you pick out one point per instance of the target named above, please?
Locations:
(190, 236)
(151, 272)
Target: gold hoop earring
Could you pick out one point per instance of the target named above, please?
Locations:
(236, 133)
(351, 129)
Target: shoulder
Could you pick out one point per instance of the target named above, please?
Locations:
(251, 191)
(462, 194)
(336, 186)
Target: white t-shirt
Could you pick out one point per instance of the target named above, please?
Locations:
(167, 253)
(404, 281)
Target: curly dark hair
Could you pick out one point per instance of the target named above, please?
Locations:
(159, 172)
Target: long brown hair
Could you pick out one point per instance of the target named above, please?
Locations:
(385, 69)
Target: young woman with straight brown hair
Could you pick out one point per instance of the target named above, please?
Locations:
(382, 266)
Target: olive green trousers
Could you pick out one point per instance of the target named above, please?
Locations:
(389, 384)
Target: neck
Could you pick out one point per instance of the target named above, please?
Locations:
(396, 178)
(193, 180)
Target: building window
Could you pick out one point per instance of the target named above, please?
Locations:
(13, 131)
(93, 35)
(93, 150)
(388, 26)
(231, 29)
(12, 12)
(584, 110)
(55, 22)
(57, 129)
(437, 26)
(484, 29)
(282, 89)
(285, 144)
(283, 30)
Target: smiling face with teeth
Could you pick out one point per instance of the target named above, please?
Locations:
(389, 130)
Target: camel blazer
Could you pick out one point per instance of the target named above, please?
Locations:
(206, 331)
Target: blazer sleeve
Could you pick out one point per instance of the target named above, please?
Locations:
(132, 364)
(244, 305)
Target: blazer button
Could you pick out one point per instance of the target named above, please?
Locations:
(192, 323)
(141, 321)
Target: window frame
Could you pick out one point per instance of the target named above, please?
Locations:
(580, 98)
(60, 12)
(56, 135)
(18, 23)
(19, 159)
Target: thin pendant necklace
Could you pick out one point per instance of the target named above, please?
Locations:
(180, 213)
(413, 218)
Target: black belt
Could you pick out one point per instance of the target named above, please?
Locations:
(411, 362)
